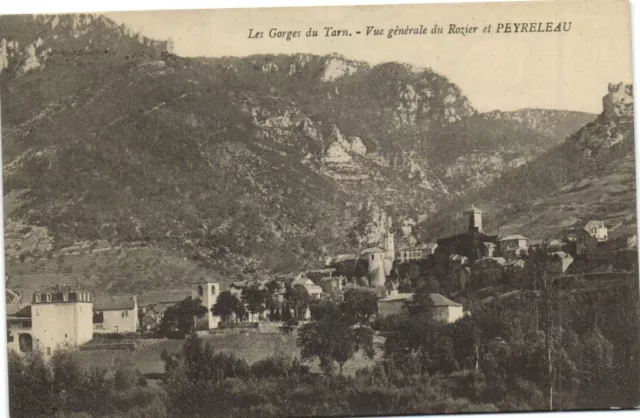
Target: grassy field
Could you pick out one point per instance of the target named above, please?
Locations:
(251, 346)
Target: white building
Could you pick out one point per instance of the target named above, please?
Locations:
(376, 266)
(444, 309)
(115, 313)
(61, 319)
(208, 293)
(418, 252)
(593, 233)
(313, 289)
(597, 230)
(513, 245)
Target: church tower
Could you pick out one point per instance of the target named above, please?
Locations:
(208, 293)
(474, 216)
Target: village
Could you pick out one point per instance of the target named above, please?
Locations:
(467, 266)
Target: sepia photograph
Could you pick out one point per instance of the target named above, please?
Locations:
(323, 211)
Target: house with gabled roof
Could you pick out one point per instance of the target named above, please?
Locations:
(117, 313)
(313, 289)
(588, 237)
(443, 308)
(417, 252)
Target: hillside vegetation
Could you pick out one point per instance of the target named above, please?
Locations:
(246, 166)
(591, 175)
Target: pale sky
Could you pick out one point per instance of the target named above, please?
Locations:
(567, 70)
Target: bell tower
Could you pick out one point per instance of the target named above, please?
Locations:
(474, 216)
(208, 293)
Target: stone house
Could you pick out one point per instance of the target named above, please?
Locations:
(513, 245)
(417, 252)
(115, 313)
(588, 238)
(444, 309)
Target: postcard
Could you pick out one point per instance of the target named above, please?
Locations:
(320, 211)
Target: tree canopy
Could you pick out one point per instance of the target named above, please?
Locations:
(179, 320)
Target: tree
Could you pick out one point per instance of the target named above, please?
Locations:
(466, 336)
(540, 279)
(362, 305)
(334, 340)
(226, 305)
(255, 299)
(323, 310)
(298, 296)
(193, 377)
(272, 286)
(30, 385)
(418, 343)
(421, 302)
(180, 320)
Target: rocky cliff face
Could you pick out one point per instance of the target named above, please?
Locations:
(248, 165)
(614, 124)
(29, 42)
(335, 67)
(590, 175)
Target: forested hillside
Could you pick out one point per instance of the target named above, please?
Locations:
(248, 166)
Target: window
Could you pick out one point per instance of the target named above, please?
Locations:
(38, 298)
(200, 291)
(37, 312)
(372, 256)
(48, 297)
(125, 314)
(65, 297)
(213, 290)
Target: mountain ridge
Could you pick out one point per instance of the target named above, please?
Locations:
(248, 166)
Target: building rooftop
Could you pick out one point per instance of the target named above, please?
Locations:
(425, 246)
(397, 296)
(472, 209)
(372, 250)
(562, 254)
(165, 296)
(594, 224)
(436, 298)
(117, 302)
(439, 300)
(511, 237)
(345, 257)
(321, 271)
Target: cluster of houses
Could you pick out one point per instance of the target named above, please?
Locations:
(63, 316)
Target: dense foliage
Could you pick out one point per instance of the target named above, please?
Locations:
(179, 320)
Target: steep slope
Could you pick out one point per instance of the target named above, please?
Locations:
(589, 176)
(246, 166)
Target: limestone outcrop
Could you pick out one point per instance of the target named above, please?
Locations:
(614, 124)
